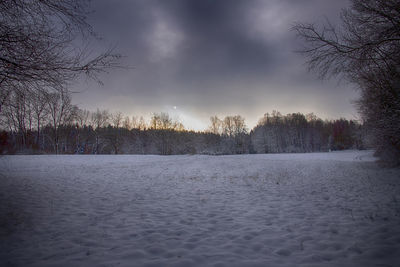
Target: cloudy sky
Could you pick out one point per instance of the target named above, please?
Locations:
(194, 59)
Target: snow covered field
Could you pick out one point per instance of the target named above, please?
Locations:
(319, 209)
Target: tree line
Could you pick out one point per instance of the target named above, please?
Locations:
(43, 121)
(43, 51)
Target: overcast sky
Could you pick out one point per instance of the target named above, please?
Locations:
(194, 59)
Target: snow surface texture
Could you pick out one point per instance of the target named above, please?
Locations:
(319, 209)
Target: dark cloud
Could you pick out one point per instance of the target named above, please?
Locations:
(213, 57)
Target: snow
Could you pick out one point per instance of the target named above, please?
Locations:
(317, 209)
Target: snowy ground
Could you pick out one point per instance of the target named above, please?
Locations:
(319, 209)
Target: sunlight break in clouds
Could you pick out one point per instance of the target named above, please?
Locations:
(187, 118)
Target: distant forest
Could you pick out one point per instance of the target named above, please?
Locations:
(41, 122)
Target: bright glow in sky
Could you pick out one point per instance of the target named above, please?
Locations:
(210, 58)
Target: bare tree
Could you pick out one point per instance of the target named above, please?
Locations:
(240, 131)
(366, 51)
(116, 119)
(162, 121)
(39, 104)
(42, 45)
(178, 126)
(166, 121)
(155, 121)
(164, 127)
(142, 125)
(19, 113)
(239, 126)
(127, 123)
(99, 119)
(82, 117)
(61, 113)
(216, 125)
(135, 122)
(227, 126)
